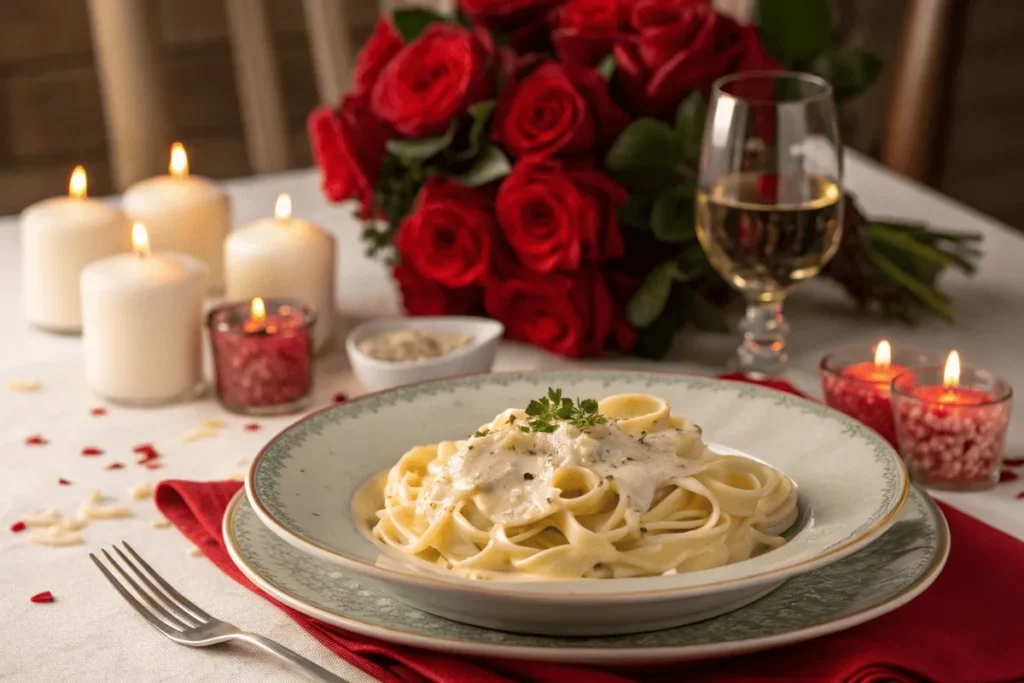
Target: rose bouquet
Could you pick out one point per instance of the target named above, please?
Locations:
(534, 160)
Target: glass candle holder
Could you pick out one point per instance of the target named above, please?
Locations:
(263, 355)
(855, 384)
(952, 437)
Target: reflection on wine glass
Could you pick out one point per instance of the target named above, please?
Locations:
(769, 200)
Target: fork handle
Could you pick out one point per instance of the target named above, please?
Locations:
(311, 671)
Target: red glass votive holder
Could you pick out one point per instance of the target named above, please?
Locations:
(853, 384)
(952, 437)
(263, 364)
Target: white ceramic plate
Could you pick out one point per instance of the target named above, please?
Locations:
(874, 581)
(851, 485)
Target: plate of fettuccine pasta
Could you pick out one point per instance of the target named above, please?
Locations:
(578, 503)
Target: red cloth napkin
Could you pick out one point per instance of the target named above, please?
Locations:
(962, 629)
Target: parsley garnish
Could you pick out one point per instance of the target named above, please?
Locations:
(482, 432)
(643, 435)
(546, 412)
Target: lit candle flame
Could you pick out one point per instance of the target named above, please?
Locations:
(179, 161)
(883, 355)
(79, 184)
(951, 374)
(258, 312)
(283, 207)
(140, 240)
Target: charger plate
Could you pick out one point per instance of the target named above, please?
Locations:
(883, 576)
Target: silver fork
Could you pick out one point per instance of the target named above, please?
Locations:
(173, 615)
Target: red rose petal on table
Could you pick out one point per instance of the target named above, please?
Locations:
(252, 427)
(1021, 495)
(152, 465)
(36, 440)
(45, 596)
(144, 448)
(1007, 475)
(63, 482)
(18, 526)
(339, 398)
(89, 451)
(97, 412)
(115, 466)
(1014, 462)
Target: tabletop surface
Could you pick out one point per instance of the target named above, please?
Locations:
(89, 634)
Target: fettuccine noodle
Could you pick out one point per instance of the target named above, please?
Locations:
(639, 495)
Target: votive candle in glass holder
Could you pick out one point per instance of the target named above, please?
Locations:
(857, 381)
(263, 355)
(951, 424)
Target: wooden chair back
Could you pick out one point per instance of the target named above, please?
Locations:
(922, 80)
(134, 91)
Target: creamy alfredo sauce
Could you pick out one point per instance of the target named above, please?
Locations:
(409, 344)
(509, 473)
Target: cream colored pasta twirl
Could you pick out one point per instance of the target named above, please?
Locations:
(638, 494)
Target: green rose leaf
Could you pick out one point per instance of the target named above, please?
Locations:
(481, 114)
(655, 340)
(636, 211)
(421, 148)
(690, 124)
(795, 31)
(649, 301)
(606, 67)
(692, 264)
(850, 70)
(672, 215)
(490, 166)
(647, 154)
(411, 22)
(700, 312)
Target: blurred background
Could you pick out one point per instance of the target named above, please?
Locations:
(216, 69)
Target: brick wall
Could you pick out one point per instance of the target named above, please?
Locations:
(51, 116)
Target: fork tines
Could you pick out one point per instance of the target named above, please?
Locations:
(168, 610)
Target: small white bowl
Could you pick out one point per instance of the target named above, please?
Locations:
(476, 357)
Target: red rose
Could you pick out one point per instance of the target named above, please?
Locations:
(584, 30)
(557, 111)
(432, 80)
(568, 314)
(449, 236)
(602, 197)
(522, 21)
(382, 46)
(676, 47)
(421, 296)
(555, 219)
(348, 145)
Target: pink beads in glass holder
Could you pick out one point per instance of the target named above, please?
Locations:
(263, 355)
(951, 425)
(857, 381)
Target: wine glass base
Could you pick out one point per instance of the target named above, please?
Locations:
(759, 367)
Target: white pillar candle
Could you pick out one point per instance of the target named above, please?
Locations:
(142, 319)
(284, 258)
(59, 237)
(183, 213)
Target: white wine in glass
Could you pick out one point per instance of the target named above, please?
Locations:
(769, 202)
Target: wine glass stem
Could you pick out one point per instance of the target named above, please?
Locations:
(763, 351)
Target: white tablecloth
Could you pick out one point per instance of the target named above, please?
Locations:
(90, 635)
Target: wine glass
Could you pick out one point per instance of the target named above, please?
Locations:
(769, 197)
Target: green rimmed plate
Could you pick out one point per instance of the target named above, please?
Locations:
(878, 579)
(851, 482)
